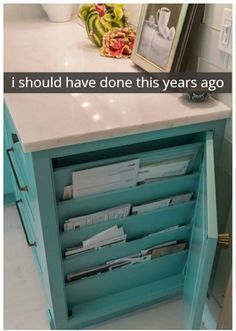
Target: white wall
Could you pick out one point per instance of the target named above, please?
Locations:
(209, 57)
(133, 12)
(12, 11)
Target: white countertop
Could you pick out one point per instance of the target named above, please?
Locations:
(46, 121)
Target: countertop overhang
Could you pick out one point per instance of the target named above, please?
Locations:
(45, 121)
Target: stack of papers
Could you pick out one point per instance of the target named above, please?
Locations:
(104, 238)
(156, 170)
(107, 178)
(165, 249)
(162, 203)
(123, 175)
(101, 216)
(144, 255)
(110, 265)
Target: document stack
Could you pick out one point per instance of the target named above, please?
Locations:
(170, 201)
(124, 175)
(104, 238)
(144, 255)
(101, 216)
(153, 170)
(105, 178)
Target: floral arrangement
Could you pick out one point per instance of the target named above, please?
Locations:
(101, 18)
(107, 27)
(118, 43)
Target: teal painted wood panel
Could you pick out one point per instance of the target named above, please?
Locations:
(22, 164)
(9, 196)
(135, 195)
(203, 242)
(29, 207)
(114, 305)
(121, 279)
(135, 226)
(115, 251)
(63, 176)
(55, 287)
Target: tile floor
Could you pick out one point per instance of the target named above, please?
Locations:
(24, 303)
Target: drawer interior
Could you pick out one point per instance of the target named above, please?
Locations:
(106, 307)
(63, 175)
(149, 280)
(118, 280)
(136, 226)
(126, 149)
(115, 251)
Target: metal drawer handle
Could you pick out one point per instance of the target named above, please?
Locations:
(21, 188)
(23, 226)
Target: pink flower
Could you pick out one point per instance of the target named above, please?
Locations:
(118, 43)
(101, 9)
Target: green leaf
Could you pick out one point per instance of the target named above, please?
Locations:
(84, 11)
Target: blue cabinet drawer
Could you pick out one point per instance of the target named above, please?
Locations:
(83, 302)
(20, 168)
(23, 186)
(21, 158)
(186, 273)
(32, 240)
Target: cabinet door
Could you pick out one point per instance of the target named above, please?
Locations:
(203, 242)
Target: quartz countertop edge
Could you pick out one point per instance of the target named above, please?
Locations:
(45, 121)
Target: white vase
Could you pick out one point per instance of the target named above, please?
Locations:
(59, 12)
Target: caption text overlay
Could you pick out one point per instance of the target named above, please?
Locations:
(81, 82)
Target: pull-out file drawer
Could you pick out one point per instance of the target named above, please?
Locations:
(94, 298)
(83, 302)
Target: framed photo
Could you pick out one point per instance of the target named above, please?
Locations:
(163, 36)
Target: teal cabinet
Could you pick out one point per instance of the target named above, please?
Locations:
(8, 186)
(90, 300)
(202, 243)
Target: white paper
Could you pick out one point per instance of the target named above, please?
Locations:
(146, 251)
(150, 206)
(163, 169)
(108, 234)
(68, 192)
(104, 238)
(105, 178)
(110, 265)
(81, 249)
(130, 259)
(101, 216)
(180, 198)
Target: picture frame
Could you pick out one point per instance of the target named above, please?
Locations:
(164, 36)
